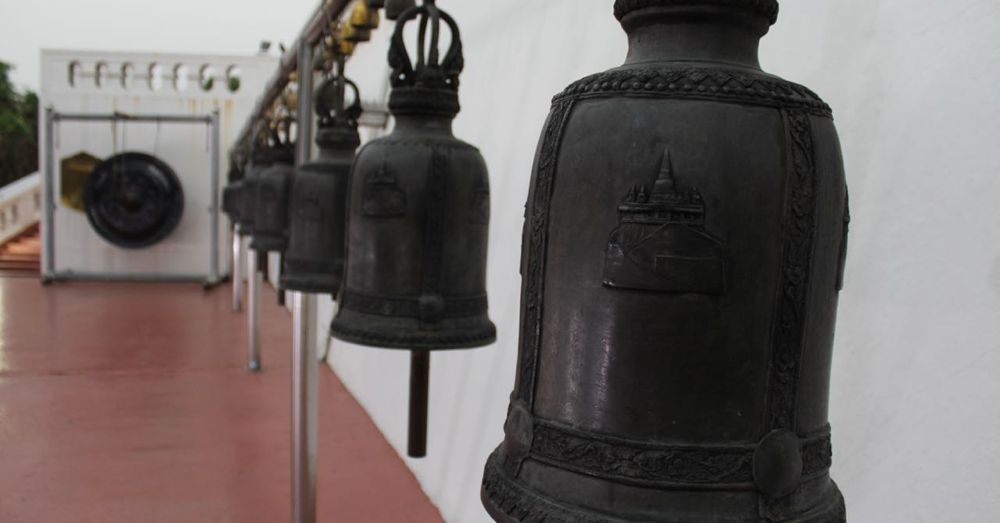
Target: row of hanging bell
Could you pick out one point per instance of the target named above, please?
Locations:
(314, 257)
(415, 275)
(270, 211)
(682, 257)
(239, 196)
(270, 196)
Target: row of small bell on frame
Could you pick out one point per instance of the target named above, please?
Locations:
(414, 222)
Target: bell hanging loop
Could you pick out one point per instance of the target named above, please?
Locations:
(429, 68)
(330, 101)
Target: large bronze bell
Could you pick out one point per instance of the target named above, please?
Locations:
(314, 259)
(418, 221)
(261, 158)
(270, 221)
(682, 257)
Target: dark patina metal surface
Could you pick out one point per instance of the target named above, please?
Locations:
(682, 257)
(314, 259)
(232, 206)
(261, 157)
(419, 220)
(133, 200)
(271, 189)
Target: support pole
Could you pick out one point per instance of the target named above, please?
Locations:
(420, 371)
(49, 223)
(304, 410)
(213, 248)
(253, 318)
(304, 364)
(237, 270)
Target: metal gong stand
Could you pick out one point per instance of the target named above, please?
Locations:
(52, 117)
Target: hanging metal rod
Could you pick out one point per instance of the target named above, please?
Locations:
(327, 11)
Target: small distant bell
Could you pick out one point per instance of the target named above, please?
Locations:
(314, 258)
(270, 222)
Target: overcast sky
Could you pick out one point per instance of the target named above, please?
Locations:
(195, 26)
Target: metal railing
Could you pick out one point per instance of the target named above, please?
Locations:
(20, 206)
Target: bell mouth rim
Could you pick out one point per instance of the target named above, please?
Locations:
(338, 138)
(344, 329)
(532, 502)
(294, 283)
(264, 244)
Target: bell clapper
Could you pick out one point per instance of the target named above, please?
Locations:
(420, 370)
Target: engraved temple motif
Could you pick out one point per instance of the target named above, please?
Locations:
(661, 243)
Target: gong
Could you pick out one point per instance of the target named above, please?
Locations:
(133, 200)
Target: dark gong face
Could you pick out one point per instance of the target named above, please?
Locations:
(133, 200)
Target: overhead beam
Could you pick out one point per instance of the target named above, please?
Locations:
(327, 11)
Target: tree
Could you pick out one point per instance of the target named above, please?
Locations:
(18, 130)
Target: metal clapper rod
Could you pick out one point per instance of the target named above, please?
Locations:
(420, 369)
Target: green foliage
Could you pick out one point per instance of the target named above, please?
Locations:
(18, 130)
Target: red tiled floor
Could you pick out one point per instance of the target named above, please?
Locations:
(129, 403)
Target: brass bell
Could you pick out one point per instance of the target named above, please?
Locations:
(682, 256)
(415, 277)
(364, 17)
(349, 33)
(314, 259)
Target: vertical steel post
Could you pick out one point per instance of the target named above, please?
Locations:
(213, 253)
(255, 280)
(304, 410)
(304, 364)
(237, 270)
(49, 247)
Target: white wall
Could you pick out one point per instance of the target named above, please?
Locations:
(914, 405)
